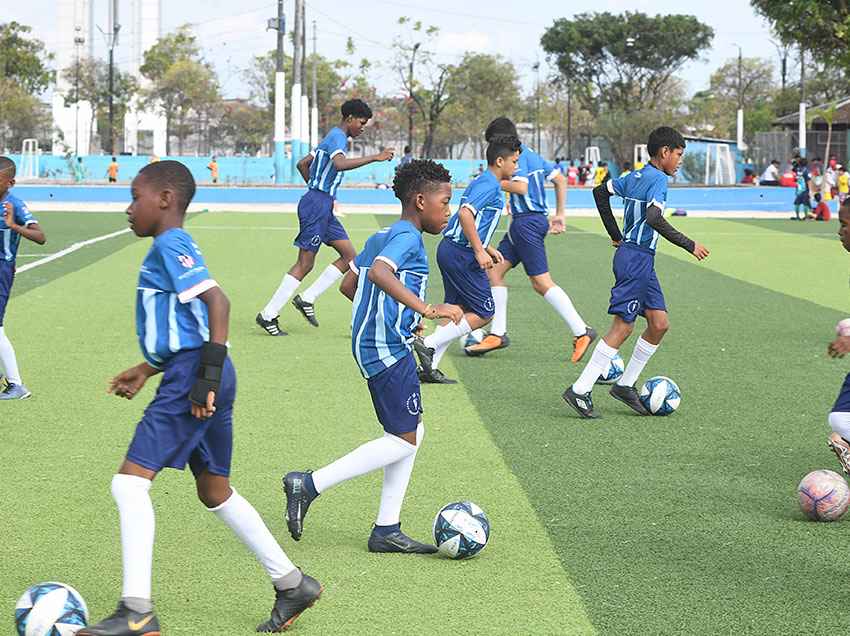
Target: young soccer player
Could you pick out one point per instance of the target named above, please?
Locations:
(387, 285)
(322, 171)
(182, 324)
(524, 243)
(839, 418)
(16, 221)
(465, 255)
(636, 291)
(803, 195)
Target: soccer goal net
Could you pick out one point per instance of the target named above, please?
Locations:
(28, 170)
(591, 155)
(641, 155)
(719, 165)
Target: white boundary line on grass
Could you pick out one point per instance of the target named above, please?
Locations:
(71, 248)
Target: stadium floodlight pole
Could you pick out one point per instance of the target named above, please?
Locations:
(114, 27)
(79, 40)
(740, 118)
(410, 97)
(280, 165)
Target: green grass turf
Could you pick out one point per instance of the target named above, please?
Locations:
(627, 525)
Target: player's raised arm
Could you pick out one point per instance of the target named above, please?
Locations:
(343, 163)
(602, 197)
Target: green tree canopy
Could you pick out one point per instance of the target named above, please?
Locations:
(24, 59)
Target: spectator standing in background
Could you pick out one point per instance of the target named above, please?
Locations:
(843, 185)
(407, 157)
(112, 171)
(770, 176)
(627, 168)
(212, 166)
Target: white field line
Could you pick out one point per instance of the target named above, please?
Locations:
(71, 248)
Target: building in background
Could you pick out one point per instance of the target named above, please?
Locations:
(74, 41)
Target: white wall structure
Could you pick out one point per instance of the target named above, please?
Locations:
(145, 30)
(74, 41)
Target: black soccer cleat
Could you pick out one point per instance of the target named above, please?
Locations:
(398, 542)
(435, 377)
(628, 395)
(271, 326)
(425, 354)
(289, 604)
(124, 622)
(308, 310)
(298, 500)
(583, 404)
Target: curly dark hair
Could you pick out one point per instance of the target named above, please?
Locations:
(419, 175)
(500, 126)
(502, 146)
(356, 108)
(171, 175)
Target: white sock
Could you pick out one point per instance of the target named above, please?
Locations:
(640, 356)
(500, 317)
(396, 479)
(287, 288)
(439, 352)
(447, 333)
(840, 423)
(602, 355)
(558, 298)
(8, 360)
(363, 459)
(135, 511)
(246, 522)
(327, 278)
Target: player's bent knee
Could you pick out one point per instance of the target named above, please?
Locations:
(839, 422)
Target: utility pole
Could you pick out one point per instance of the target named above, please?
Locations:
(297, 66)
(411, 103)
(314, 115)
(569, 119)
(801, 123)
(740, 136)
(112, 41)
(536, 68)
(280, 167)
(79, 40)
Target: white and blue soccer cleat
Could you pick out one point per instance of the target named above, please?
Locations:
(15, 392)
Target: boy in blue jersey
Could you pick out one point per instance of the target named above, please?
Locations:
(839, 418)
(182, 323)
(322, 171)
(15, 222)
(465, 255)
(524, 243)
(387, 286)
(636, 291)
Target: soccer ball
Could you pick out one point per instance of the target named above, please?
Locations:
(823, 495)
(613, 371)
(843, 327)
(461, 530)
(472, 338)
(50, 609)
(660, 395)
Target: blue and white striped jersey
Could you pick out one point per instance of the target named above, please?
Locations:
(169, 315)
(484, 197)
(323, 174)
(9, 239)
(640, 189)
(536, 171)
(382, 327)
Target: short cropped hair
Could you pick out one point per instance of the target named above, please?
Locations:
(664, 136)
(356, 108)
(500, 126)
(502, 146)
(419, 175)
(7, 166)
(171, 175)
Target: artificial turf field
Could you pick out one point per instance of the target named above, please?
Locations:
(625, 525)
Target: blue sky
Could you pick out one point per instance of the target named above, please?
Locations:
(231, 33)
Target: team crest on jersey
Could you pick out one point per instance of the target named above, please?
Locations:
(186, 261)
(414, 406)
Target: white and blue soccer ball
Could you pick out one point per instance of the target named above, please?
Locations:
(461, 530)
(472, 338)
(50, 609)
(660, 395)
(613, 371)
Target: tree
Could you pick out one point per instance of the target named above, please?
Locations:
(563, 120)
(22, 116)
(821, 27)
(89, 79)
(23, 59)
(245, 126)
(482, 87)
(180, 45)
(620, 65)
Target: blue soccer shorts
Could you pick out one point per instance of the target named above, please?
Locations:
(464, 282)
(317, 223)
(524, 243)
(396, 396)
(842, 403)
(169, 437)
(7, 277)
(636, 287)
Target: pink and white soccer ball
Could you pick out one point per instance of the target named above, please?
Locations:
(843, 327)
(824, 495)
